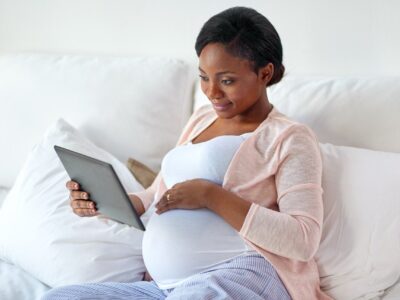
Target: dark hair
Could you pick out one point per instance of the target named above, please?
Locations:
(246, 34)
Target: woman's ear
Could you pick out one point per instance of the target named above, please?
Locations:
(265, 73)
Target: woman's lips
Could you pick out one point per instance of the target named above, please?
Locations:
(222, 106)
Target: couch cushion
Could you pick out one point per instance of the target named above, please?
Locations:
(359, 255)
(131, 107)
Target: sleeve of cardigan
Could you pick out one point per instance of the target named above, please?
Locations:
(295, 230)
(147, 195)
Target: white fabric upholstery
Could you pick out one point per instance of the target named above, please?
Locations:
(16, 284)
(357, 112)
(3, 193)
(131, 107)
(359, 255)
(40, 234)
(392, 293)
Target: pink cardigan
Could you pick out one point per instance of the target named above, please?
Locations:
(278, 169)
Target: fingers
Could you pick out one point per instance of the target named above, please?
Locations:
(164, 208)
(163, 202)
(79, 201)
(83, 204)
(76, 195)
(84, 208)
(72, 185)
(84, 212)
(166, 203)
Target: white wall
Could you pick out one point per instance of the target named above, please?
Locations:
(353, 37)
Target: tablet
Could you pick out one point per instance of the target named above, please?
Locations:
(99, 179)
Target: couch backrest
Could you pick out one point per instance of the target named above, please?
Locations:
(132, 107)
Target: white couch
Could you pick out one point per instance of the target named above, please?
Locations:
(136, 107)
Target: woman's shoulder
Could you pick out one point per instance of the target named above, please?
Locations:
(280, 128)
(288, 125)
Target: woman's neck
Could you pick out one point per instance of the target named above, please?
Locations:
(256, 114)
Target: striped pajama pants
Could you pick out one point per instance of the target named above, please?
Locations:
(248, 276)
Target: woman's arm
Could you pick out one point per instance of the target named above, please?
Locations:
(146, 197)
(200, 193)
(228, 205)
(295, 230)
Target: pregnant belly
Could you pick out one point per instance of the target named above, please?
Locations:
(180, 243)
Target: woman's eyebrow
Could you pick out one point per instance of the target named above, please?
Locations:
(219, 73)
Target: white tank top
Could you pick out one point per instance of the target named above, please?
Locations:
(180, 243)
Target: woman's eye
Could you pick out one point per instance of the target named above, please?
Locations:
(204, 78)
(227, 81)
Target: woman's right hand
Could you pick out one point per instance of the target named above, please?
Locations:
(79, 201)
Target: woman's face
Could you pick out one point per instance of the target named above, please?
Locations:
(230, 83)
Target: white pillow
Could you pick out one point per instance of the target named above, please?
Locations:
(129, 106)
(3, 193)
(356, 112)
(40, 233)
(359, 255)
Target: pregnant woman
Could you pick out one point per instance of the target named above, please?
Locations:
(238, 200)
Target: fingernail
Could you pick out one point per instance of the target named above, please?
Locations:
(93, 211)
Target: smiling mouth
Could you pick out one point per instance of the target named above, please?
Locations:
(222, 106)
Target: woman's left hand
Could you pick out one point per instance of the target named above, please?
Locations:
(191, 194)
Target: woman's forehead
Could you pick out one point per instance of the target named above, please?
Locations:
(214, 58)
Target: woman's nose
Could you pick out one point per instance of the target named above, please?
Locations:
(213, 91)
